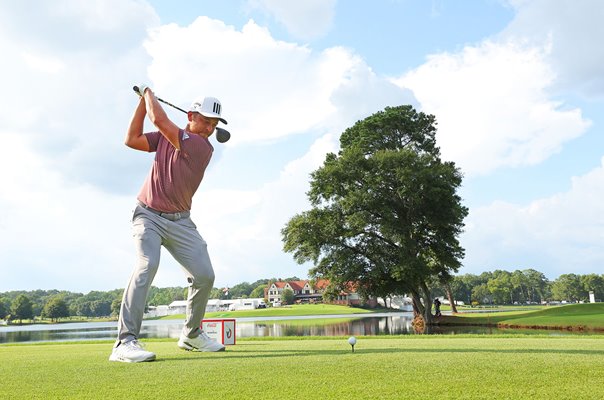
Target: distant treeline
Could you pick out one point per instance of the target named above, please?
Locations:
(497, 287)
(522, 287)
(55, 304)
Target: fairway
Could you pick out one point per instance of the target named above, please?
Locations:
(393, 367)
(589, 317)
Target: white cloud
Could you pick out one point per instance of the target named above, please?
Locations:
(560, 234)
(65, 87)
(497, 106)
(49, 65)
(106, 16)
(71, 184)
(573, 28)
(62, 118)
(54, 232)
(492, 106)
(305, 20)
(272, 88)
(71, 26)
(249, 71)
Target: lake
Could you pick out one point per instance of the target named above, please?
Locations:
(325, 325)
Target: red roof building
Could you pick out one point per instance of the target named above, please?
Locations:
(305, 292)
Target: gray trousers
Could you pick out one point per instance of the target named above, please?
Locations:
(181, 239)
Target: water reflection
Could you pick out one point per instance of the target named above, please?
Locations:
(384, 325)
(358, 325)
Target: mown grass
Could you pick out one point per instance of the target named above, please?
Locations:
(502, 307)
(287, 311)
(309, 322)
(572, 317)
(392, 367)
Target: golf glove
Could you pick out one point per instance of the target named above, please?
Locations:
(141, 89)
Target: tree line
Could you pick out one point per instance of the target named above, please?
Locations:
(55, 304)
(498, 287)
(522, 287)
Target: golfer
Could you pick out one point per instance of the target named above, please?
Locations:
(437, 308)
(162, 218)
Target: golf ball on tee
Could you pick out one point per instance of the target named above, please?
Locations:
(352, 340)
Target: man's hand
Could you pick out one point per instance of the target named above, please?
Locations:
(158, 117)
(140, 89)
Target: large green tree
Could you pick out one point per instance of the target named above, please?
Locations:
(159, 296)
(258, 292)
(567, 287)
(462, 286)
(592, 282)
(288, 296)
(385, 212)
(21, 308)
(481, 294)
(115, 306)
(55, 308)
(500, 287)
(241, 290)
(4, 307)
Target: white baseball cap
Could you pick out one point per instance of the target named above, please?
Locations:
(209, 107)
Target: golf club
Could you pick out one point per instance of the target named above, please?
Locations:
(222, 135)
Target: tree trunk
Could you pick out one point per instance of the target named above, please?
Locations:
(419, 323)
(418, 308)
(427, 303)
(450, 297)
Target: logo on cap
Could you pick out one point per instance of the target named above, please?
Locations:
(209, 107)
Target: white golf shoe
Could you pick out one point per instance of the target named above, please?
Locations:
(131, 352)
(201, 343)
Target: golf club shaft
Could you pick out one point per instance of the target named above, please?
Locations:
(135, 88)
(222, 135)
(170, 104)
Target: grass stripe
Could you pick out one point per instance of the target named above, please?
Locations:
(392, 367)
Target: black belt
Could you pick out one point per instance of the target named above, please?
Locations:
(169, 216)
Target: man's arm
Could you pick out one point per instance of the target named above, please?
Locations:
(134, 135)
(160, 119)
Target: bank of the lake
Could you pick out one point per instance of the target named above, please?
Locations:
(296, 310)
(293, 310)
(320, 320)
(580, 317)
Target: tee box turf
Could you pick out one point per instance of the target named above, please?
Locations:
(221, 330)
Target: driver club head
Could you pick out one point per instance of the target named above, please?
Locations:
(222, 135)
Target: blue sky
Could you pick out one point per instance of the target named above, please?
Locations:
(515, 85)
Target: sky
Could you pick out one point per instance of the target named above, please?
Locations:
(515, 86)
